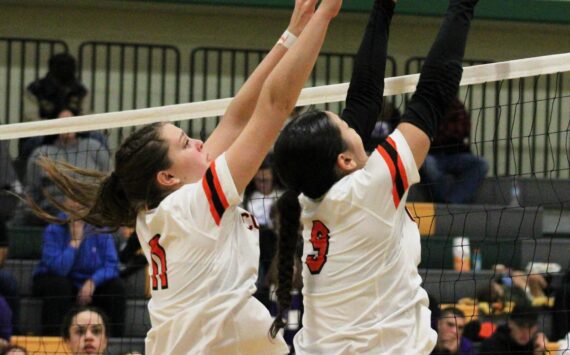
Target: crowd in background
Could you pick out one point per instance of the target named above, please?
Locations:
(85, 268)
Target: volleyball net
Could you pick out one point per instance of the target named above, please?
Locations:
(507, 243)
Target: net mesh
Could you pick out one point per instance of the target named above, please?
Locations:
(509, 244)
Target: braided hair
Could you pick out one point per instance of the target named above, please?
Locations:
(289, 214)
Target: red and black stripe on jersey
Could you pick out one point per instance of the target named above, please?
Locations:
(389, 152)
(216, 197)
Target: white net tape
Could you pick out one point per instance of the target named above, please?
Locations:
(321, 94)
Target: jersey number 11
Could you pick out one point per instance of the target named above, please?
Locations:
(158, 258)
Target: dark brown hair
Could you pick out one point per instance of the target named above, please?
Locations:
(68, 320)
(306, 151)
(289, 214)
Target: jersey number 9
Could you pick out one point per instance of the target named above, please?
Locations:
(320, 242)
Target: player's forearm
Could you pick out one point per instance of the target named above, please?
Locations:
(287, 79)
(277, 99)
(364, 97)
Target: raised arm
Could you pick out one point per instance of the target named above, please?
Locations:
(439, 79)
(278, 97)
(364, 97)
(241, 108)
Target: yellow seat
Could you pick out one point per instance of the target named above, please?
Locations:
(41, 345)
(552, 346)
(424, 215)
(543, 301)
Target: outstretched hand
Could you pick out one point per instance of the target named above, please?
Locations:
(302, 13)
(330, 8)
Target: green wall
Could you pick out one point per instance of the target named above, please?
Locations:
(551, 11)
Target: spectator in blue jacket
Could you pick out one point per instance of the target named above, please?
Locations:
(451, 170)
(79, 266)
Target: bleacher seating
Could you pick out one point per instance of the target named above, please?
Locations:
(55, 345)
(546, 250)
(504, 234)
(437, 252)
(137, 285)
(22, 269)
(488, 222)
(531, 192)
(25, 242)
(449, 286)
(41, 345)
(24, 253)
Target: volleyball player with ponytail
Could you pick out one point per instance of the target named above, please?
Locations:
(183, 195)
(361, 287)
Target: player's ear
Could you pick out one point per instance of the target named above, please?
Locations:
(345, 162)
(166, 179)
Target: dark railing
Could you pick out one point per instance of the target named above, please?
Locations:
(23, 61)
(125, 76)
(219, 72)
(520, 126)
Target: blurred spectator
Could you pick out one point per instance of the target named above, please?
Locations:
(434, 309)
(8, 285)
(85, 330)
(561, 310)
(514, 286)
(79, 265)
(451, 170)
(59, 90)
(262, 192)
(132, 260)
(519, 336)
(13, 350)
(131, 254)
(450, 339)
(387, 122)
(45, 98)
(259, 197)
(9, 300)
(67, 147)
(5, 322)
(8, 183)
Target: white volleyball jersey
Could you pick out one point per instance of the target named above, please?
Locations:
(361, 290)
(203, 254)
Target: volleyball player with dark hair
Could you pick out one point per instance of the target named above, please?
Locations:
(183, 197)
(361, 287)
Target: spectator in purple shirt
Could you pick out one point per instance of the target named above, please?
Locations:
(79, 266)
(450, 339)
(5, 322)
